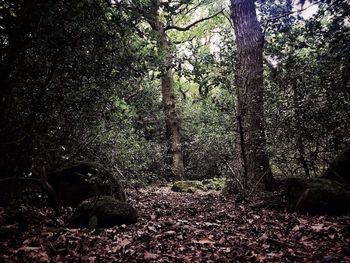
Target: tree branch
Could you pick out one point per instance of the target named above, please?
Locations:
(170, 27)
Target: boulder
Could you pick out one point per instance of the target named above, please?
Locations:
(317, 196)
(215, 184)
(339, 169)
(186, 186)
(80, 181)
(104, 211)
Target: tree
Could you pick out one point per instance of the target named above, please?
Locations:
(206, 98)
(55, 85)
(172, 124)
(253, 162)
(307, 88)
(172, 121)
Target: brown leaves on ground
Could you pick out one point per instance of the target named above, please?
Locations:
(180, 227)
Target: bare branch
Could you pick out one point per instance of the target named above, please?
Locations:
(234, 177)
(227, 16)
(170, 27)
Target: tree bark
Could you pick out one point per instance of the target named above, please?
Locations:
(172, 122)
(254, 163)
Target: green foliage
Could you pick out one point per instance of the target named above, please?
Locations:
(80, 80)
(307, 97)
(64, 81)
(207, 139)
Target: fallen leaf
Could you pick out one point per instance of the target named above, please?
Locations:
(92, 259)
(296, 228)
(152, 228)
(124, 242)
(170, 233)
(317, 227)
(26, 248)
(264, 237)
(205, 240)
(149, 256)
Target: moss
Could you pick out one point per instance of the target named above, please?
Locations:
(103, 211)
(215, 184)
(339, 169)
(317, 196)
(186, 186)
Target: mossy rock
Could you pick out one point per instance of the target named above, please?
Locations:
(215, 184)
(339, 169)
(186, 186)
(206, 185)
(83, 180)
(317, 196)
(105, 211)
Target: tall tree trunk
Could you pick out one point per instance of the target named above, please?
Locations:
(172, 123)
(254, 162)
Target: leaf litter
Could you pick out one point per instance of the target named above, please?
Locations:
(182, 227)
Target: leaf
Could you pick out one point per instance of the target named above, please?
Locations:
(318, 227)
(42, 257)
(205, 240)
(124, 243)
(264, 237)
(170, 233)
(27, 249)
(149, 256)
(222, 240)
(152, 228)
(302, 221)
(92, 259)
(296, 228)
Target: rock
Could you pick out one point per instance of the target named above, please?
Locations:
(317, 196)
(84, 180)
(186, 186)
(215, 184)
(329, 194)
(339, 169)
(106, 211)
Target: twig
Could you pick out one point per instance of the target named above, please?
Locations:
(233, 173)
(258, 182)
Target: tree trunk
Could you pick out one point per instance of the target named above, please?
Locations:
(253, 162)
(172, 123)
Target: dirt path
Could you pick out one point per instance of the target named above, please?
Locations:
(178, 227)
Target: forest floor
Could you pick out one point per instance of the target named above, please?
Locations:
(182, 227)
